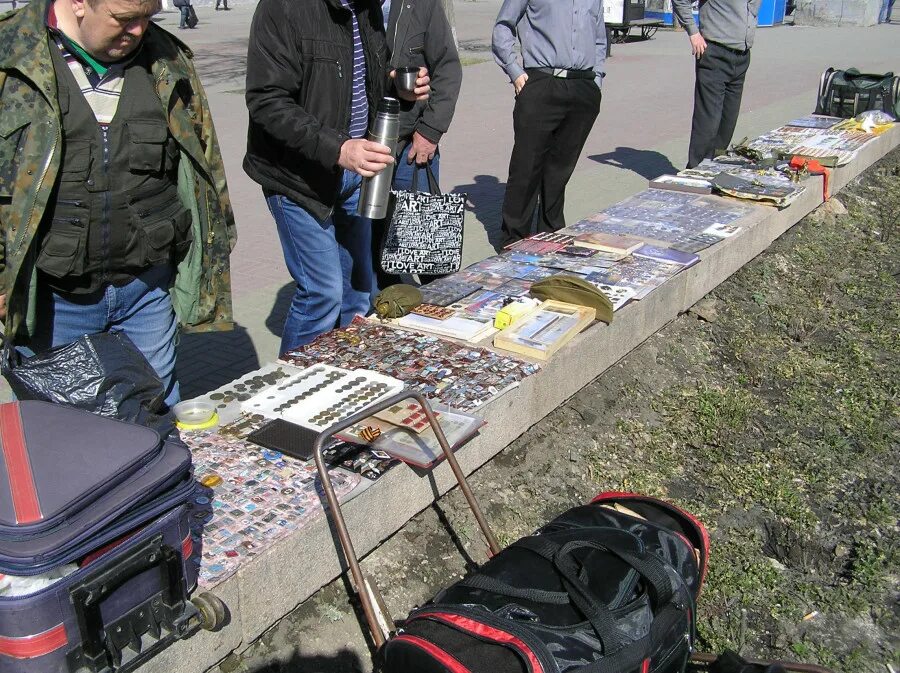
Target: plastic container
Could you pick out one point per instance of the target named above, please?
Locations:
(195, 415)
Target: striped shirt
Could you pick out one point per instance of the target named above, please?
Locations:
(359, 105)
(101, 92)
(101, 85)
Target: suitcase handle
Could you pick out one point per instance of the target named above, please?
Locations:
(362, 587)
(97, 652)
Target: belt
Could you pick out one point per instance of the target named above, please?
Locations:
(739, 52)
(562, 73)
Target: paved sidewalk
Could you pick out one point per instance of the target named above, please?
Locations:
(642, 132)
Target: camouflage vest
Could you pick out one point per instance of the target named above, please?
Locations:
(116, 210)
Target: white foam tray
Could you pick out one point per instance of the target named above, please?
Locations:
(321, 395)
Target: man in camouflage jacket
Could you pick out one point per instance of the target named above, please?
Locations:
(185, 241)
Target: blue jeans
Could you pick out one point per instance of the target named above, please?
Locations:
(330, 260)
(185, 13)
(884, 16)
(142, 309)
(404, 171)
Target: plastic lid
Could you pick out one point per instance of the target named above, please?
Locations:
(389, 105)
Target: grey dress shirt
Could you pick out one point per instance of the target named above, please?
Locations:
(728, 22)
(566, 34)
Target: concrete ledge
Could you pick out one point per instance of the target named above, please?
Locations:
(295, 568)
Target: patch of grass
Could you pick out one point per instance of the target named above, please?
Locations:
(788, 418)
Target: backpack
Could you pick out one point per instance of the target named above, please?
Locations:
(607, 587)
(847, 93)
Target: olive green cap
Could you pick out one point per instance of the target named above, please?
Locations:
(397, 300)
(574, 290)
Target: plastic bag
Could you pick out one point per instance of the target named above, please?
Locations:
(12, 585)
(103, 373)
(871, 119)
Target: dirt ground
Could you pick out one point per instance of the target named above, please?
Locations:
(770, 410)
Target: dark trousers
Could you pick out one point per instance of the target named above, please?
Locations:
(551, 119)
(717, 100)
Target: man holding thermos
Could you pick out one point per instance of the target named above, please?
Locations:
(316, 72)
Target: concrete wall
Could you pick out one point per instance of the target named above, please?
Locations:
(275, 582)
(836, 13)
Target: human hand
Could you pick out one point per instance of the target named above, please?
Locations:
(2, 307)
(519, 84)
(423, 84)
(698, 45)
(365, 157)
(422, 150)
(422, 90)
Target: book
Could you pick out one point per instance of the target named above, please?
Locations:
(467, 328)
(619, 295)
(815, 122)
(578, 251)
(544, 330)
(661, 254)
(486, 304)
(447, 290)
(608, 242)
(542, 242)
(682, 183)
(777, 190)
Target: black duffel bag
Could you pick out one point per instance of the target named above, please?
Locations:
(848, 93)
(607, 587)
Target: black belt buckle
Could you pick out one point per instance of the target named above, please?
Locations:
(565, 73)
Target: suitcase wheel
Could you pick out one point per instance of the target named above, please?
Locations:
(213, 612)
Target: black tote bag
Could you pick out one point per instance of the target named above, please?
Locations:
(425, 232)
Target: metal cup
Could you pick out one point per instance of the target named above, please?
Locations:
(405, 79)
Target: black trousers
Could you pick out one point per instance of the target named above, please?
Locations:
(551, 119)
(717, 100)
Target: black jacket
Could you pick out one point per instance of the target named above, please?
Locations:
(299, 80)
(419, 34)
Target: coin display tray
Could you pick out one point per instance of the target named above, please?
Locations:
(321, 395)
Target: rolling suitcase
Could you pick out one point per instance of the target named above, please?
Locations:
(72, 481)
(111, 497)
(113, 613)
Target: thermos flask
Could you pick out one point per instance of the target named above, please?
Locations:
(375, 191)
